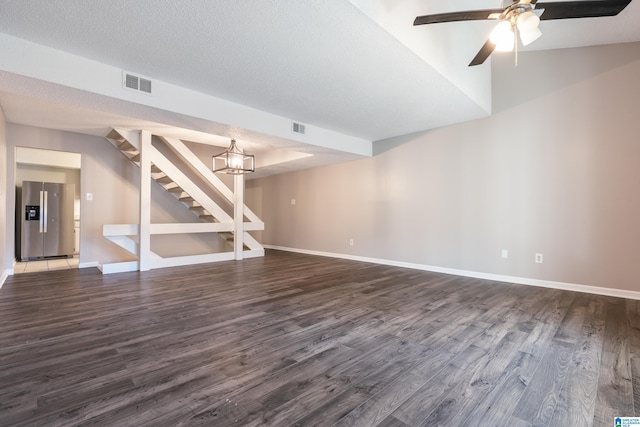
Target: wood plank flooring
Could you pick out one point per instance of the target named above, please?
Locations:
(299, 340)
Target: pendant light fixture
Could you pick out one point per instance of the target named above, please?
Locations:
(233, 161)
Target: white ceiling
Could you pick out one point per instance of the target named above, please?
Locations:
(355, 67)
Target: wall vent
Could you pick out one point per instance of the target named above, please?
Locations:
(298, 128)
(137, 83)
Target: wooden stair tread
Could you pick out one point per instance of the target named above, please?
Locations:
(164, 179)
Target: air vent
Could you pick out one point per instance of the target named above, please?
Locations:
(131, 81)
(145, 85)
(298, 128)
(137, 83)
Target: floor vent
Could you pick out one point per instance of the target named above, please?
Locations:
(137, 83)
(298, 128)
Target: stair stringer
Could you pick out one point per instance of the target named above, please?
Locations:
(126, 142)
(253, 223)
(170, 178)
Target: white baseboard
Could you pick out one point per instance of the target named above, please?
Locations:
(118, 267)
(88, 264)
(611, 292)
(4, 276)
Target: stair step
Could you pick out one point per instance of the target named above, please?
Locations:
(115, 135)
(135, 158)
(228, 237)
(126, 147)
(155, 169)
(187, 199)
(175, 189)
(209, 218)
(164, 180)
(196, 208)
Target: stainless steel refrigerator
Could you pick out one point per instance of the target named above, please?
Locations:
(47, 220)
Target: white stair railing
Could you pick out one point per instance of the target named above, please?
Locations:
(254, 223)
(172, 179)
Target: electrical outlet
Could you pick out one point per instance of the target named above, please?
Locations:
(350, 242)
(539, 258)
(89, 196)
(505, 253)
(293, 201)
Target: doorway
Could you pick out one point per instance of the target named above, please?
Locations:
(48, 167)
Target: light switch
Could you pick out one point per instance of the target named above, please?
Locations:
(89, 196)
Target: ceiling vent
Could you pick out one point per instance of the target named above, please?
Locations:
(137, 83)
(298, 128)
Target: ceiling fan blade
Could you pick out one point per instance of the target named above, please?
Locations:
(469, 15)
(581, 9)
(485, 51)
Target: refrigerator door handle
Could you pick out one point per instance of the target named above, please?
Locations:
(41, 206)
(46, 199)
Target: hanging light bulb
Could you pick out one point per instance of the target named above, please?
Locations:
(527, 24)
(527, 21)
(530, 36)
(233, 161)
(502, 36)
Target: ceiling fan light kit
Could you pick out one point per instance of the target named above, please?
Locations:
(527, 21)
(521, 19)
(503, 37)
(530, 36)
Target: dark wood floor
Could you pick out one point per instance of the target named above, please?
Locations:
(300, 340)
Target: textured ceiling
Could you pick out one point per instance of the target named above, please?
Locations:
(319, 62)
(355, 67)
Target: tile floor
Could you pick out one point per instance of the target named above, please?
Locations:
(45, 265)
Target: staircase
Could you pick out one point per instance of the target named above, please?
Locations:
(133, 154)
(212, 217)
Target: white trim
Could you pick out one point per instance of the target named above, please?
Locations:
(143, 246)
(126, 243)
(4, 276)
(253, 226)
(191, 260)
(611, 292)
(191, 227)
(238, 216)
(118, 267)
(253, 253)
(89, 264)
(119, 230)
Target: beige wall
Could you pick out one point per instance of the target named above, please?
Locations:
(4, 261)
(554, 170)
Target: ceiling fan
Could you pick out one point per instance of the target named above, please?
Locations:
(521, 18)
